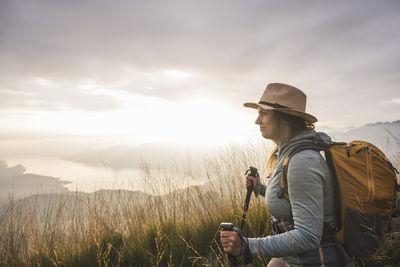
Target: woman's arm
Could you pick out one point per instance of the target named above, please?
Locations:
(305, 183)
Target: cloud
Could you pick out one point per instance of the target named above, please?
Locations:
(201, 35)
(43, 94)
(335, 51)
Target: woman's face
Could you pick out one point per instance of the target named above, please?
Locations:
(268, 125)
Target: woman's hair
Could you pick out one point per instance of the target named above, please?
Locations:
(297, 124)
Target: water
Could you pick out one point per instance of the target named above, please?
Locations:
(81, 177)
(87, 178)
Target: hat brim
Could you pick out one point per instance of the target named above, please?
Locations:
(307, 117)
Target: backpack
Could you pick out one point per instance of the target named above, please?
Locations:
(365, 193)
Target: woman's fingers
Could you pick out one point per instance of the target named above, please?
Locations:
(251, 181)
(231, 242)
(228, 240)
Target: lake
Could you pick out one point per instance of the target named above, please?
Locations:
(87, 178)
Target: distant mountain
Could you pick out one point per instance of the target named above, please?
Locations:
(384, 124)
(111, 197)
(78, 204)
(14, 180)
(385, 135)
(127, 157)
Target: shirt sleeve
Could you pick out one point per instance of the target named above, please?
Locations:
(305, 186)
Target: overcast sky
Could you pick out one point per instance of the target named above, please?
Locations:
(181, 70)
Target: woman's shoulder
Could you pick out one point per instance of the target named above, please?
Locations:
(306, 163)
(307, 155)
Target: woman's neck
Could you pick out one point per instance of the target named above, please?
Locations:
(284, 133)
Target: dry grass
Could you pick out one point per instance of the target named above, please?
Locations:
(126, 228)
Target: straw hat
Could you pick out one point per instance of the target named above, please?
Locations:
(284, 98)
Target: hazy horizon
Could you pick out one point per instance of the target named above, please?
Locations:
(121, 167)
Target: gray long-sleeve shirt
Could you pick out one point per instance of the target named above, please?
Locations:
(310, 189)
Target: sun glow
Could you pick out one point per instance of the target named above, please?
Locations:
(150, 119)
(194, 121)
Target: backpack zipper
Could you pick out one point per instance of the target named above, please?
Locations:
(370, 173)
(386, 161)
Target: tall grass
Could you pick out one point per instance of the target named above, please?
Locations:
(173, 226)
(126, 228)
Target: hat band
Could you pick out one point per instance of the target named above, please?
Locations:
(274, 105)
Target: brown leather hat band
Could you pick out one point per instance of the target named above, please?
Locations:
(274, 105)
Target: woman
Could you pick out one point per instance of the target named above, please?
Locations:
(304, 226)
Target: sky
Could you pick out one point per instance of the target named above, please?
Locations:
(180, 71)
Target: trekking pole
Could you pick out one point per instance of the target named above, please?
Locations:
(254, 173)
(229, 226)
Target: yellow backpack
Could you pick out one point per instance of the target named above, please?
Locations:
(365, 193)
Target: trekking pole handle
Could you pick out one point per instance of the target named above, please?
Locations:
(229, 227)
(253, 172)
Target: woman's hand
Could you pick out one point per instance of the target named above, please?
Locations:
(231, 242)
(255, 183)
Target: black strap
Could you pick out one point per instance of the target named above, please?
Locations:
(274, 105)
(279, 227)
(328, 233)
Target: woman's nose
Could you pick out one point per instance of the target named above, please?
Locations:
(258, 120)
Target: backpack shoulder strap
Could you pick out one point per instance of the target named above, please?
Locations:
(283, 192)
(271, 161)
(328, 231)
